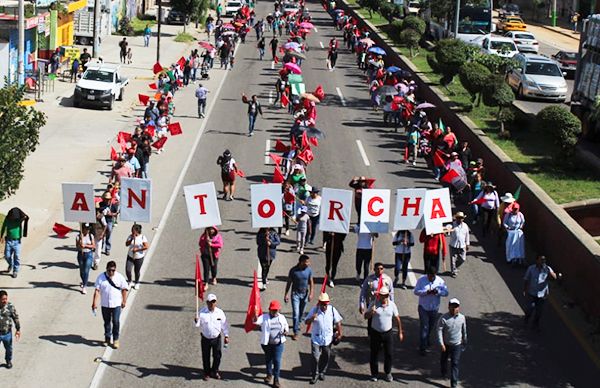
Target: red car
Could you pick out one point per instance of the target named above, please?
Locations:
(567, 61)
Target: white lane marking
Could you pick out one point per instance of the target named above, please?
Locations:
(411, 278)
(267, 150)
(321, 44)
(272, 65)
(270, 97)
(161, 226)
(316, 29)
(361, 149)
(339, 92)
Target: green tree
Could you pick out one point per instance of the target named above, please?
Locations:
(387, 11)
(19, 135)
(396, 28)
(196, 9)
(450, 55)
(497, 93)
(410, 38)
(414, 23)
(474, 77)
(563, 125)
(372, 6)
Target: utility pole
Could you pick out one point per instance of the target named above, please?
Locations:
(97, 20)
(21, 46)
(553, 17)
(159, 17)
(456, 19)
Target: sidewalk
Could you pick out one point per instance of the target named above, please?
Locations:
(60, 337)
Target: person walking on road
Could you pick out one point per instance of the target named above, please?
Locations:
(368, 289)
(228, 172)
(211, 243)
(326, 330)
(273, 329)
(513, 222)
(274, 43)
(123, 49)
(201, 93)
(434, 245)
(300, 280)
(430, 288)
(334, 246)
(85, 255)
(403, 243)
(138, 246)
(111, 289)
(536, 289)
(98, 230)
(458, 242)
(452, 338)
(303, 229)
(213, 326)
(364, 252)
(267, 241)
(382, 312)
(261, 48)
(110, 210)
(332, 58)
(8, 315)
(313, 205)
(254, 108)
(14, 228)
(147, 34)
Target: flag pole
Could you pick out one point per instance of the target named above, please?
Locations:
(196, 284)
(372, 254)
(331, 252)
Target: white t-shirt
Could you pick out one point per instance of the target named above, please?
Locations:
(313, 206)
(384, 317)
(137, 242)
(109, 296)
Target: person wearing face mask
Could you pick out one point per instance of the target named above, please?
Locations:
(273, 329)
(458, 242)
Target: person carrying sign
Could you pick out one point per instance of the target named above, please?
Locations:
(267, 241)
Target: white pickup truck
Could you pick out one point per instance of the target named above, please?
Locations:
(101, 84)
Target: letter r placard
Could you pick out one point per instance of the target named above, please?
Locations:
(336, 209)
(78, 202)
(202, 205)
(136, 199)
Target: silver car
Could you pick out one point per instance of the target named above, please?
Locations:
(535, 76)
(525, 41)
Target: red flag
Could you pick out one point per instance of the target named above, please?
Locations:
(181, 63)
(160, 143)
(179, 83)
(314, 141)
(370, 183)
(324, 285)
(450, 176)
(199, 283)
(284, 100)
(276, 158)
(61, 230)
(113, 154)
(124, 137)
(304, 140)
(379, 285)
(276, 59)
(254, 307)
(319, 93)
(277, 176)
(405, 153)
(240, 173)
(153, 86)
(157, 68)
(479, 201)
(143, 99)
(151, 129)
(175, 129)
(438, 160)
(280, 147)
(123, 145)
(306, 155)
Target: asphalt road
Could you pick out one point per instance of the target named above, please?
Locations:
(160, 347)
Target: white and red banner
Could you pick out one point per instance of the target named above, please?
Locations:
(78, 202)
(409, 208)
(267, 207)
(136, 199)
(437, 210)
(375, 211)
(202, 206)
(336, 208)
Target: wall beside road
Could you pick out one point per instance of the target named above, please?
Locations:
(549, 227)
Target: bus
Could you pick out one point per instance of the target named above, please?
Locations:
(474, 20)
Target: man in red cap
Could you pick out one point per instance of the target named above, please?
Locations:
(273, 329)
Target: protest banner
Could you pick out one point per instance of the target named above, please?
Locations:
(267, 208)
(78, 202)
(375, 211)
(136, 199)
(202, 205)
(336, 209)
(409, 208)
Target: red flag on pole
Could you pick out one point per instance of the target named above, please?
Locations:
(379, 285)
(240, 173)
(254, 307)
(307, 155)
(304, 140)
(113, 154)
(405, 153)
(61, 230)
(438, 160)
(277, 176)
(143, 99)
(370, 182)
(479, 201)
(314, 141)
(449, 176)
(280, 147)
(284, 100)
(199, 283)
(175, 129)
(124, 137)
(181, 63)
(151, 129)
(276, 158)
(160, 143)
(153, 86)
(123, 145)
(157, 68)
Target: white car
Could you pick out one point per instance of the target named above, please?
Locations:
(525, 41)
(290, 8)
(413, 7)
(232, 7)
(537, 76)
(101, 84)
(497, 45)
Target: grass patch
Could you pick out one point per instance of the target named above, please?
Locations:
(375, 18)
(139, 25)
(2, 216)
(184, 37)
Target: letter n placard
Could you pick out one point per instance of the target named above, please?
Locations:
(136, 199)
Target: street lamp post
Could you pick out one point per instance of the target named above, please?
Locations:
(159, 17)
(456, 19)
(553, 13)
(96, 44)
(21, 45)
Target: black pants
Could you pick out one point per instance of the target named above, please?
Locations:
(208, 345)
(314, 223)
(331, 260)
(265, 265)
(535, 307)
(363, 260)
(488, 217)
(402, 260)
(208, 267)
(136, 265)
(431, 261)
(377, 340)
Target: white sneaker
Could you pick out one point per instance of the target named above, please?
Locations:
(301, 251)
(414, 163)
(83, 290)
(137, 286)
(287, 232)
(131, 285)
(331, 285)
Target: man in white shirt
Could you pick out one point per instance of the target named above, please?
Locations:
(326, 329)
(313, 205)
(111, 288)
(364, 251)
(213, 324)
(459, 242)
(429, 288)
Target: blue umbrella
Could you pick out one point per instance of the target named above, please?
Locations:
(377, 50)
(393, 69)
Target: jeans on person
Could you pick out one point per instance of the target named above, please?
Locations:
(273, 355)
(146, 40)
(402, 260)
(136, 265)
(299, 300)
(201, 106)
(208, 345)
(111, 317)
(454, 352)
(314, 223)
(85, 261)
(12, 254)
(427, 322)
(265, 265)
(378, 339)
(251, 122)
(193, 73)
(535, 306)
(6, 340)
(209, 266)
(363, 260)
(261, 53)
(320, 358)
(474, 212)
(108, 235)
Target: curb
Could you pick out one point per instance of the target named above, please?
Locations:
(567, 34)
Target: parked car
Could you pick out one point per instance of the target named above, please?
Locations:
(536, 76)
(290, 8)
(232, 7)
(176, 17)
(101, 84)
(413, 8)
(509, 9)
(567, 61)
(525, 41)
(498, 45)
(511, 23)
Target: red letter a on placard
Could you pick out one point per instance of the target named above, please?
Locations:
(437, 210)
(79, 203)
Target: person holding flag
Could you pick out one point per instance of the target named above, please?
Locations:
(211, 243)
(213, 325)
(371, 287)
(300, 280)
(382, 313)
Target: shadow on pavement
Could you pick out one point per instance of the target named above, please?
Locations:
(60, 264)
(65, 340)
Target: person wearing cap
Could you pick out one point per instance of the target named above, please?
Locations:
(302, 190)
(213, 325)
(111, 288)
(458, 242)
(403, 243)
(301, 281)
(382, 312)
(429, 288)
(273, 330)
(303, 229)
(267, 241)
(85, 255)
(507, 201)
(536, 289)
(313, 206)
(228, 172)
(326, 328)
(452, 338)
(334, 246)
(368, 289)
(488, 201)
(513, 223)
(364, 252)
(201, 94)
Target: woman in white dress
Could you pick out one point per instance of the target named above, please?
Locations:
(515, 241)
